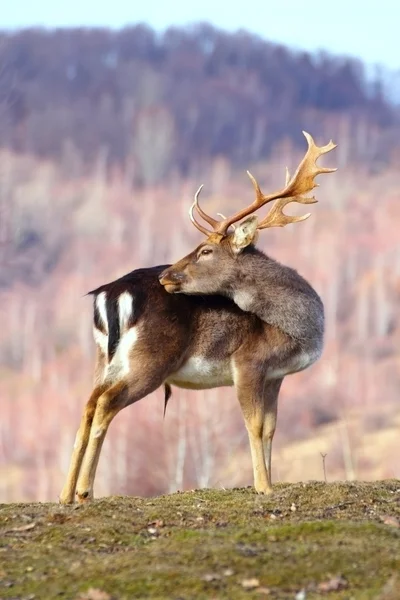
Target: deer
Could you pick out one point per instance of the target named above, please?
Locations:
(224, 315)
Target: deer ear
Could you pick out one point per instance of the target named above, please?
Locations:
(244, 234)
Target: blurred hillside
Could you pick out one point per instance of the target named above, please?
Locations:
(106, 136)
(172, 102)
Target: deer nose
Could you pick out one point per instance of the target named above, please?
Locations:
(168, 276)
(161, 277)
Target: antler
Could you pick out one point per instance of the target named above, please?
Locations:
(213, 222)
(301, 183)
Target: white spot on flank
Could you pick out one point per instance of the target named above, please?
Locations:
(101, 307)
(125, 304)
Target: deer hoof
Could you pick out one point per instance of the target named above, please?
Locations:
(66, 497)
(84, 497)
(264, 489)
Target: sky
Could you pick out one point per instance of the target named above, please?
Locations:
(368, 30)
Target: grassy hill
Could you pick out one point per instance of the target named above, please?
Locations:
(306, 541)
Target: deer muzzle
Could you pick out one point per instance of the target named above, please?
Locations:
(171, 280)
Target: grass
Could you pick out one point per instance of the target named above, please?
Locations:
(210, 544)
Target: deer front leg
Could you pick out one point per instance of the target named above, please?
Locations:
(249, 390)
(108, 406)
(67, 495)
(271, 393)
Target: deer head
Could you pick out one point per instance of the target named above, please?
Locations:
(210, 267)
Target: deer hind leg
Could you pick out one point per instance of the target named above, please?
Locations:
(109, 403)
(143, 379)
(271, 393)
(67, 495)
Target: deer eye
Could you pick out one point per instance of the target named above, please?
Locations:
(205, 251)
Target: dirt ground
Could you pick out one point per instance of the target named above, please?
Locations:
(305, 541)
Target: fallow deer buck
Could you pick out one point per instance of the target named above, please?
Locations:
(224, 315)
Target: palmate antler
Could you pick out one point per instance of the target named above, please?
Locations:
(301, 183)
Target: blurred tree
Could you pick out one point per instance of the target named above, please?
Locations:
(225, 94)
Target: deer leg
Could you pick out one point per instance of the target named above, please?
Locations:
(134, 387)
(250, 395)
(271, 393)
(67, 495)
(108, 406)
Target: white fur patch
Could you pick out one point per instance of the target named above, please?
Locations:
(127, 342)
(243, 299)
(101, 340)
(120, 363)
(200, 373)
(119, 366)
(125, 307)
(101, 307)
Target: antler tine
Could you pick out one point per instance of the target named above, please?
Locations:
(303, 179)
(224, 217)
(301, 183)
(192, 217)
(213, 222)
(205, 216)
(277, 218)
(223, 226)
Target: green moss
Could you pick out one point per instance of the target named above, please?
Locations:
(203, 544)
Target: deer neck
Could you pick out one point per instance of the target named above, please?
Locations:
(250, 283)
(279, 296)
